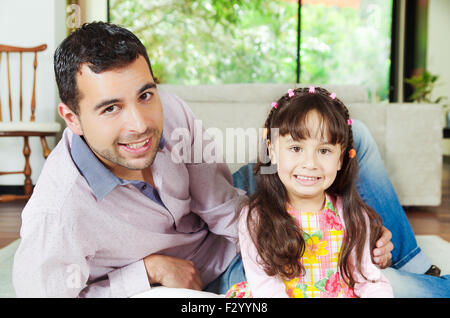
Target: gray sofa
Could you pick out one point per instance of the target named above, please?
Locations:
(409, 136)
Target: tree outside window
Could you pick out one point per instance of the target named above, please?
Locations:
(255, 41)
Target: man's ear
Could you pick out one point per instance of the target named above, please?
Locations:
(71, 119)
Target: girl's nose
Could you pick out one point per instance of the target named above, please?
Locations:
(309, 160)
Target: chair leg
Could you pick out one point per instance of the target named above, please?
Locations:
(28, 185)
(45, 148)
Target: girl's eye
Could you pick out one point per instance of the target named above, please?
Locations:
(296, 149)
(324, 151)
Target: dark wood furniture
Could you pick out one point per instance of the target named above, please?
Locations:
(17, 127)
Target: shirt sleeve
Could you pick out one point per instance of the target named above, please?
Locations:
(123, 282)
(51, 261)
(260, 284)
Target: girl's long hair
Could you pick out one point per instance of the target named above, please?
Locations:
(277, 237)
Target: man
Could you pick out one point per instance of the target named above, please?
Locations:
(112, 214)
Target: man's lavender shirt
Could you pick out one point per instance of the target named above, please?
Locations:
(85, 232)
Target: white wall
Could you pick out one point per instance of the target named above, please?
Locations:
(29, 23)
(438, 50)
(93, 10)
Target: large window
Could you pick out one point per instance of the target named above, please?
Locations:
(278, 41)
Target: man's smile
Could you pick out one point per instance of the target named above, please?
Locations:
(137, 147)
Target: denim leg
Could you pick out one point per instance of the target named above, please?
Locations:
(234, 274)
(409, 285)
(376, 190)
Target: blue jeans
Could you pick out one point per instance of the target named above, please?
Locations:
(234, 274)
(376, 190)
(408, 261)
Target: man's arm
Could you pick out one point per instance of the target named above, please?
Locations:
(48, 261)
(51, 261)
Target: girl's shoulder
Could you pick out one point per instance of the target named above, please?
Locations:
(243, 217)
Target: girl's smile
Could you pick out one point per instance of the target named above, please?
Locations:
(307, 180)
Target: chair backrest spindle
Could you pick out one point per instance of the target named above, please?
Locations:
(9, 87)
(20, 98)
(20, 50)
(33, 97)
(1, 118)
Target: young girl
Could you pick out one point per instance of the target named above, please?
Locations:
(306, 231)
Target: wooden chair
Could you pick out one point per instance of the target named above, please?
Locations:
(16, 127)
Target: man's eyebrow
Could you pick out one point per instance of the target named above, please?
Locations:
(116, 100)
(146, 86)
(105, 103)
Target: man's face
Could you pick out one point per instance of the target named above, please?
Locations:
(120, 115)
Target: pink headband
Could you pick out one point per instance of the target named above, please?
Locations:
(312, 90)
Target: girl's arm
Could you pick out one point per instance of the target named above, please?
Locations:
(260, 284)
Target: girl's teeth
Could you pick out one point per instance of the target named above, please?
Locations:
(307, 178)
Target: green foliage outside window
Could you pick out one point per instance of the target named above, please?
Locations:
(244, 41)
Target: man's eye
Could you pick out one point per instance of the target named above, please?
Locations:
(146, 96)
(110, 109)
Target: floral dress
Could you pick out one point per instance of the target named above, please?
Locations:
(323, 234)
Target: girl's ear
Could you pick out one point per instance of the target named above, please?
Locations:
(272, 152)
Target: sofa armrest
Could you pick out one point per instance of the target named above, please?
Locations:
(414, 152)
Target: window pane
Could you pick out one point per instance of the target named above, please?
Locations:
(347, 42)
(214, 41)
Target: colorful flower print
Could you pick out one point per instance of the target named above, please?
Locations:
(333, 285)
(331, 220)
(314, 248)
(239, 290)
(295, 289)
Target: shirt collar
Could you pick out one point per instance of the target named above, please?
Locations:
(100, 179)
(329, 205)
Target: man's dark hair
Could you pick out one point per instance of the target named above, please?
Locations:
(103, 46)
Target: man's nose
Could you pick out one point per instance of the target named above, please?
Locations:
(135, 119)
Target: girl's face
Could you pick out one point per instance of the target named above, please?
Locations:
(306, 167)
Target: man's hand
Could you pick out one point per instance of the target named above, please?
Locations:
(382, 252)
(172, 272)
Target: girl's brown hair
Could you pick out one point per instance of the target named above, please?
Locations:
(278, 239)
